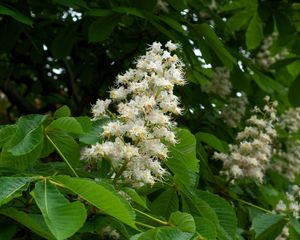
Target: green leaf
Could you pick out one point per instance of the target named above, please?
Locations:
(28, 136)
(85, 122)
(67, 124)
(21, 162)
(295, 223)
(16, 15)
(101, 196)
(102, 28)
(5, 133)
(166, 203)
(63, 111)
(62, 217)
(31, 141)
(34, 222)
(293, 94)
(197, 207)
(239, 20)
(8, 229)
(62, 45)
(95, 134)
(211, 140)
(173, 24)
(12, 187)
(99, 12)
(72, 3)
(135, 197)
(254, 33)
(224, 211)
(130, 11)
(182, 159)
(210, 37)
(206, 228)
(184, 221)
(163, 233)
(67, 148)
(267, 226)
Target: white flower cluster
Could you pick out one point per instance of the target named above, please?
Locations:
(288, 163)
(144, 102)
(250, 156)
(234, 110)
(291, 205)
(290, 120)
(220, 83)
(264, 56)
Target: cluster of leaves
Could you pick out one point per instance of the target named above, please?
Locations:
(64, 52)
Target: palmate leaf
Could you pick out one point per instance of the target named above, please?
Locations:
(12, 187)
(101, 195)
(34, 222)
(62, 217)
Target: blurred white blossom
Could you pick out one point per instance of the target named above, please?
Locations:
(220, 84)
(289, 205)
(264, 57)
(251, 154)
(290, 120)
(234, 110)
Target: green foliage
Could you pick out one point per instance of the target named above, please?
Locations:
(58, 57)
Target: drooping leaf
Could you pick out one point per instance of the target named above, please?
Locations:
(34, 222)
(254, 33)
(102, 28)
(204, 30)
(211, 140)
(62, 45)
(62, 217)
(99, 195)
(184, 221)
(16, 15)
(12, 187)
(293, 94)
